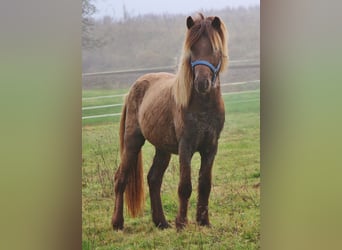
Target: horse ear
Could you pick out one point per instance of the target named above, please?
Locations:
(216, 23)
(189, 22)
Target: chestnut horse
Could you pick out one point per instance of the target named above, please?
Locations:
(179, 114)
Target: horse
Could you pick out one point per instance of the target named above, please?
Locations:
(180, 113)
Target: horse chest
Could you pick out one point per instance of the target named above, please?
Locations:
(203, 127)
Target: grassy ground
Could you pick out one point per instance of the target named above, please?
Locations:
(234, 204)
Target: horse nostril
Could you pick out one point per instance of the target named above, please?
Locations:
(206, 83)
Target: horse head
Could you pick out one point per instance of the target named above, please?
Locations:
(205, 52)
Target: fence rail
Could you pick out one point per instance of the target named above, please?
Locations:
(121, 104)
(100, 97)
(232, 64)
(102, 106)
(120, 95)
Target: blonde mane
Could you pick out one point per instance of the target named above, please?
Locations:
(218, 38)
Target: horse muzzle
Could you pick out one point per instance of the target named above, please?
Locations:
(202, 85)
(203, 82)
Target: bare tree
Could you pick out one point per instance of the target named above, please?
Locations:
(88, 9)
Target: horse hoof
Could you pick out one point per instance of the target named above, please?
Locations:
(204, 224)
(203, 221)
(163, 225)
(117, 226)
(181, 224)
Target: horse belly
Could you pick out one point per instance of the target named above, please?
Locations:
(159, 130)
(156, 121)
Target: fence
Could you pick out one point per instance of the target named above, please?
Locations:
(121, 104)
(234, 64)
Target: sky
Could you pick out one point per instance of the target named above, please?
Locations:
(114, 8)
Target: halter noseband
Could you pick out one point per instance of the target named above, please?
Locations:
(211, 67)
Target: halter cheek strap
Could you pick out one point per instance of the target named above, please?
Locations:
(211, 67)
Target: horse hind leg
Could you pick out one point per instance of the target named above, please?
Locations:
(117, 218)
(130, 159)
(155, 176)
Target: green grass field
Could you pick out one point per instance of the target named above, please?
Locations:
(234, 204)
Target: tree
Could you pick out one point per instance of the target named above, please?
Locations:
(88, 9)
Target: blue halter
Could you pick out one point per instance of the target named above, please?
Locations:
(211, 67)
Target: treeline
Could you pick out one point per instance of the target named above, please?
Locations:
(156, 40)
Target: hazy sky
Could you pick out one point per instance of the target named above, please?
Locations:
(114, 8)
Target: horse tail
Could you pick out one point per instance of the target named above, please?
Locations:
(122, 128)
(134, 192)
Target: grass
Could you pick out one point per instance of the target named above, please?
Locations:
(234, 204)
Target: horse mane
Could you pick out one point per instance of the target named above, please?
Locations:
(218, 38)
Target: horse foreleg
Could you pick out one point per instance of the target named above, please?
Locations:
(184, 187)
(155, 176)
(204, 186)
